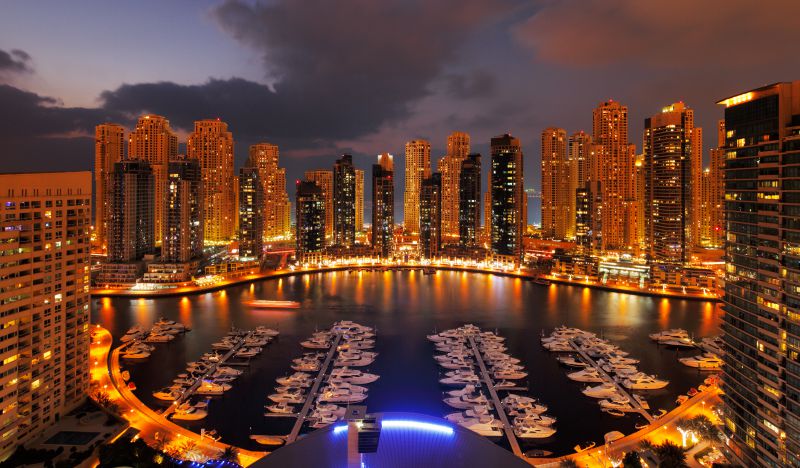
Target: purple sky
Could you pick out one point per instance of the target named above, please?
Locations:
(321, 78)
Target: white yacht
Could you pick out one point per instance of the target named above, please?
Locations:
(486, 426)
(225, 370)
(158, 338)
(509, 374)
(679, 343)
(617, 403)
(280, 408)
(705, 361)
(289, 398)
(466, 401)
(586, 375)
(189, 414)
(340, 384)
(168, 394)
(460, 379)
(667, 335)
(535, 417)
(522, 408)
(261, 330)
(604, 390)
(341, 396)
(212, 388)
(467, 390)
(316, 343)
(644, 382)
(571, 361)
(527, 430)
(354, 376)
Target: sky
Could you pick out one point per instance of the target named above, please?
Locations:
(322, 78)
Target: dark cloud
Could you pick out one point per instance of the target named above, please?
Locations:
(14, 62)
(476, 84)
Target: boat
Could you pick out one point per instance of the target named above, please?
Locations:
(248, 352)
(679, 343)
(542, 281)
(589, 445)
(644, 382)
(532, 431)
(136, 354)
(504, 374)
(667, 335)
(268, 440)
(341, 396)
(265, 331)
(613, 436)
(538, 453)
(681, 399)
(586, 375)
(224, 370)
(537, 418)
(339, 384)
(705, 361)
(613, 412)
(505, 385)
(486, 426)
(158, 338)
(168, 394)
(126, 376)
(570, 361)
(293, 398)
(618, 403)
(604, 390)
(190, 414)
(467, 390)
(316, 343)
(266, 304)
(212, 388)
(281, 408)
(354, 376)
(466, 401)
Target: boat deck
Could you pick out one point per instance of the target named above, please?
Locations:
(634, 402)
(501, 412)
(303, 414)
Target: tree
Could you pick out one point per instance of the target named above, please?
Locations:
(631, 460)
(229, 454)
(670, 455)
(703, 427)
(568, 463)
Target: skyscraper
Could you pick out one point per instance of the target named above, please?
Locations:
(131, 229)
(44, 372)
(671, 149)
(418, 168)
(712, 215)
(109, 148)
(487, 209)
(283, 207)
(309, 217)
(212, 145)
(359, 200)
(251, 212)
(183, 214)
(344, 202)
(458, 146)
(430, 216)
(383, 205)
(324, 179)
(469, 205)
(612, 179)
(557, 201)
(264, 156)
(154, 142)
(508, 196)
(762, 284)
(579, 167)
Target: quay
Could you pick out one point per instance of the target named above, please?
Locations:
(634, 401)
(303, 414)
(498, 405)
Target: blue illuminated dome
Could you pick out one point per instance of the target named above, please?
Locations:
(406, 439)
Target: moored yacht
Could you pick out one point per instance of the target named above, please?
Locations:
(604, 390)
(644, 382)
(587, 375)
(705, 361)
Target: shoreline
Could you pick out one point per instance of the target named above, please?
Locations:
(103, 292)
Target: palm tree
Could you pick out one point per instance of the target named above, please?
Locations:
(670, 455)
(631, 460)
(703, 427)
(229, 454)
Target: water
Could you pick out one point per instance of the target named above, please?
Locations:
(405, 306)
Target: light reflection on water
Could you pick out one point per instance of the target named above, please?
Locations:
(405, 306)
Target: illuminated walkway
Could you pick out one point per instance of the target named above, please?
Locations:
(151, 425)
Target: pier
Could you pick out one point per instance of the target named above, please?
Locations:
(633, 401)
(214, 366)
(498, 405)
(303, 414)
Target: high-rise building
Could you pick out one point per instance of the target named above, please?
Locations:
(131, 229)
(359, 200)
(557, 200)
(212, 145)
(251, 212)
(109, 149)
(383, 206)
(583, 220)
(45, 221)
(761, 376)
(344, 202)
(264, 156)
(418, 168)
(579, 166)
(671, 149)
(154, 142)
(283, 208)
(458, 146)
(430, 216)
(324, 179)
(309, 218)
(183, 213)
(469, 204)
(508, 196)
(487, 209)
(712, 229)
(612, 179)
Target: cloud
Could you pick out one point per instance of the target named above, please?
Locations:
(14, 62)
(476, 84)
(731, 34)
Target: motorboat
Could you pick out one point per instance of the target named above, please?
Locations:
(467, 390)
(212, 388)
(506, 385)
(136, 353)
(189, 414)
(679, 343)
(295, 381)
(248, 352)
(341, 396)
(619, 403)
(604, 390)
(587, 446)
(644, 382)
(524, 408)
(509, 374)
(354, 376)
(466, 401)
(266, 304)
(329, 408)
(261, 330)
(478, 411)
(168, 394)
(289, 398)
(705, 361)
(340, 384)
(360, 361)
(158, 338)
(460, 379)
(535, 417)
(526, 430)
(316, 343)
(280, 408)
(559, 346)
(306, 365)
(713, 344)
(457, 364)
(613, 412)
(224, 370)
(667, 335)
(223, 345)
(322, 419)
(586, 375)
(486, 426)
(570, 361)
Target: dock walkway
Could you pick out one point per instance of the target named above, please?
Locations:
(303, 414)
(634, 402)
(501, 412)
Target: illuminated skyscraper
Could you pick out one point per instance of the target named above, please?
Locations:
(109, 149)
(183, 213)
(154, 142)
(283, 207)
(344, 202)
(383, 206)
(430, 216)
(761, 375)
(508, 196)
(44, 372)
(309, 217)
(359, 200)
(579, 169)
(557, 201)
(469, 187)
(612, 179)
(712, 214)
(487, 209)
(212, 144)
(264, 156)
(418, 168)
(450, 168)
(324, 179)
(131, 229)
(671, 148)
(251, 212)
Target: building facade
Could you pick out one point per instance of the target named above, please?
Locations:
(131, 232)
(383, 206)
(359, 200)
(45, 221)
(712, 227)
(508, 196)
(183, 213)
(557, 200)
(251, 212)
(469, 203)
(154, 142)
(430, 216)
(264, 156)
(458, 147)
(324, 179)
(344, 202)
(579, 148)
(418, 168)
(212, 145)
(762, 286)
(109, 149)
(309, 220)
